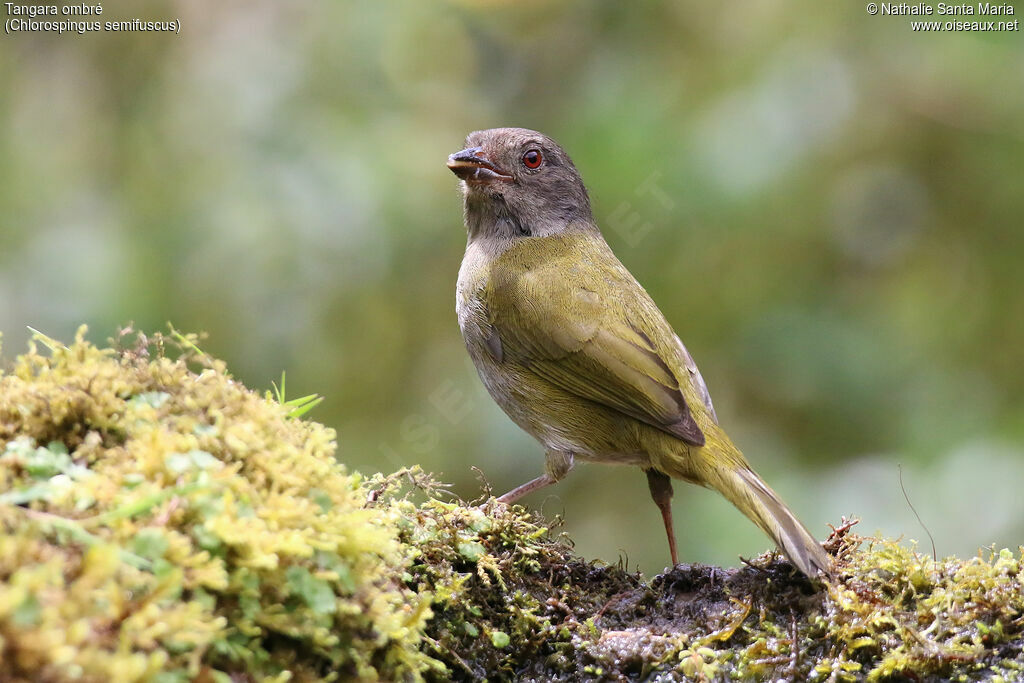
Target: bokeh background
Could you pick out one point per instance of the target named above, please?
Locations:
(828, 207)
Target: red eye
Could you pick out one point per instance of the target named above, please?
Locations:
(533, 158)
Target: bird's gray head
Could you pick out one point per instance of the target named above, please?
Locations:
(519, 183)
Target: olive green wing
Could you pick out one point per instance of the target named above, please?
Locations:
(573, 341)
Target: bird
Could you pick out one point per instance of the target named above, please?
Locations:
(574, 350)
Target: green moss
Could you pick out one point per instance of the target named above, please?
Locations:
(160, 522)
(159, 517)
(891, 613)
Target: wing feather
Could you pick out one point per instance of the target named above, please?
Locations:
(584, 349)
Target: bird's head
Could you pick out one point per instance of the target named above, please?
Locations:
(518, 183)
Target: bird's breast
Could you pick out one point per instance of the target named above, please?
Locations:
(470, 291)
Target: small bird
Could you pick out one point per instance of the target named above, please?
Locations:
(576, 352)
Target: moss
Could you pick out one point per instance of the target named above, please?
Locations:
(527, 609)
(159, 518)
(160, 522)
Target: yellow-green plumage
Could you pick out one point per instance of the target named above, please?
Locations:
(577, 354)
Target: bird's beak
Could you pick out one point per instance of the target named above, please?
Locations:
(474, 167)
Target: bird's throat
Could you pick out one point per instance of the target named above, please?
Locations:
(489, 215)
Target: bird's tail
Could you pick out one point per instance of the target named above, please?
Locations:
(719, 465)
(754, 498)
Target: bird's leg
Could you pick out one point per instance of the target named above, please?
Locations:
(529, 487)
(661, 492)
(557, 466)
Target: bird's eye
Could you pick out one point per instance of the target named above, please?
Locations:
(532, 158)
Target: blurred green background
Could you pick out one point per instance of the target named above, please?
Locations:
(828, 206)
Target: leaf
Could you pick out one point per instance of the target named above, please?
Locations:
(149, 543)
(27, 613)
(471, 550)
(316, 593)
(298, 406)
(301, 406)
(179, 463)
(26, 495)
(153, 399)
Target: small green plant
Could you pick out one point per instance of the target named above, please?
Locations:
(297, 407)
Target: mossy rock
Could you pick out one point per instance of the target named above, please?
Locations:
(161, 522)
